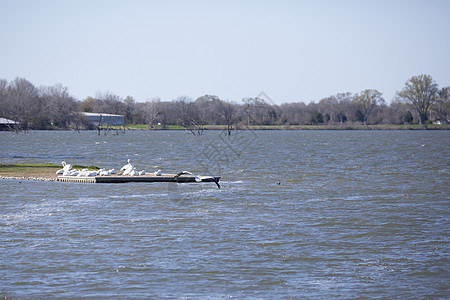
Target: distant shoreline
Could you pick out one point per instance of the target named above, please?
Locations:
(315, 127)
(264, 127)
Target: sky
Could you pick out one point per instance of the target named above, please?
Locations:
(291, 51)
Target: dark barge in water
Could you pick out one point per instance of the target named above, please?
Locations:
(178, 178)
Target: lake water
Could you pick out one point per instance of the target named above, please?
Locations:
(314, 214)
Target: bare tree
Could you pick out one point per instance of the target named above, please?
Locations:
(420, 92)
(442, 105)
(59, 106)
(366, 101)
(23, 103)
(151, 111)
(129, 109)
(229, 113)
(294, 113)
(257, 111)
(111, 103)
(3, 98)
(328, 106)
(209, 109)
(87, 105)
(189, 115)
(343, 107)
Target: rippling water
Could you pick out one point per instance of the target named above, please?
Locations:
(316, 214)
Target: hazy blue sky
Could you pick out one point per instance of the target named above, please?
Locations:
(291, 50)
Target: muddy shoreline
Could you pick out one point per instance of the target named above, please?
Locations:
(37, 172)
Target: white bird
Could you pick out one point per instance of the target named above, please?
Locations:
(141, 173)
(104, 172)
(128, 170)
(82, 173)
(199, 178)
(66, 167)
(158, 173)
(126, 166)
(182, 173)
(112, 171)
(65, 170)
(133, 172)
(86, 172)
(73, 173)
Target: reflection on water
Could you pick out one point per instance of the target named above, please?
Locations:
(320, 214)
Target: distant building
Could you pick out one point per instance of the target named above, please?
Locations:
(7, 124)
(104, 119)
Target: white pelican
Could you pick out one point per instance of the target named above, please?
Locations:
(141, 173)
(66, 167)
(86, 172)
(158, 173)
(199, 178)
(207, 178)
(65, 170)
(128, 169)
(82, 173)
(73, 173)
(104, 172)
(182, 173)
(126, 166)
(132, 172)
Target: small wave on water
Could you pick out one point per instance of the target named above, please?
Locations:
(232, 182)
(140, 195)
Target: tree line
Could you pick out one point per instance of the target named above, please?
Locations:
(52, 107)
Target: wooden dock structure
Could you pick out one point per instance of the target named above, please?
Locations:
(183, 178)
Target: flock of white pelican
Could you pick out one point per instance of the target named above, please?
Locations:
(127, 169)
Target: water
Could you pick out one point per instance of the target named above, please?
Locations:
(315, 214)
